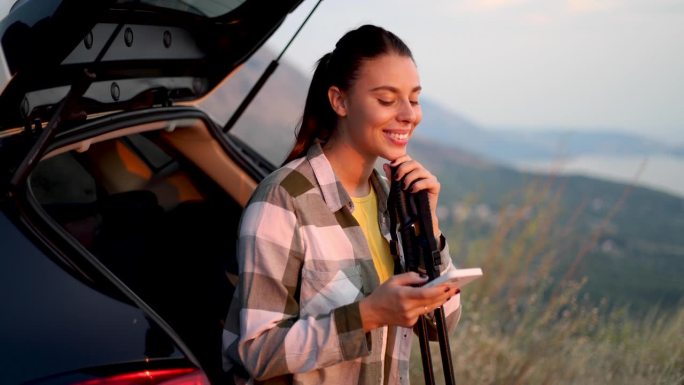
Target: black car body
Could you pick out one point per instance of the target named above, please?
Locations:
(119, 198)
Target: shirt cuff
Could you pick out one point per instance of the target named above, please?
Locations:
(441, 241)
(354, 342)
(444, 254)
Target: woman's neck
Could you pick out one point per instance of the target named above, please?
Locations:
(351, 168)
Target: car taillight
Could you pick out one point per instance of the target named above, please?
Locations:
(184, 376)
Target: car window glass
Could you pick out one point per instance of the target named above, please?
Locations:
(269, 123)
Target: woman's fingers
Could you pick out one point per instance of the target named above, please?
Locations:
(399, 302)
(403, 166)
(429, 308)
(414, 175)
(417, 178)
(400, 160)
(409, 279)
(419, 298)
(388, 171)
(431, 185)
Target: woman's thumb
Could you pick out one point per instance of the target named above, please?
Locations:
(410, 278)
(388, 171)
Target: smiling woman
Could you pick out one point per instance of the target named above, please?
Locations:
(317, 301)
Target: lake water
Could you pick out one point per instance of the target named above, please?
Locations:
(664, 173)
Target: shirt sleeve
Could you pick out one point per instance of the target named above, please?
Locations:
(274, 339)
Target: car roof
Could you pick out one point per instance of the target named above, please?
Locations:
(130, 53)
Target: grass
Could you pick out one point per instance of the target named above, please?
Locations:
(520, 325)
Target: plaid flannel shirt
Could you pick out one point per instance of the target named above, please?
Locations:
(304, 265)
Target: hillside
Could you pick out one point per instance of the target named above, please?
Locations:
(626, 240)
(273, 115)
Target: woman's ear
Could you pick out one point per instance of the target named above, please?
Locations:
(337, 101)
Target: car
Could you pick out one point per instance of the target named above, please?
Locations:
(120, 198)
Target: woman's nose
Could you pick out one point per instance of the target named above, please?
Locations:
(407, 112)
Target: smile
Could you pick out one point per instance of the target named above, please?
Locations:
(398, 136)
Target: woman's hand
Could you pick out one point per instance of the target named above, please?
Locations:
(418, 178)
(398, 302)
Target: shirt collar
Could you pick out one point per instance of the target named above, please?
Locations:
(381, 187)
(334, 194)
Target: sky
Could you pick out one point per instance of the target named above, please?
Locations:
(615, 65)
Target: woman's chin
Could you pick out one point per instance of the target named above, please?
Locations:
(395, 154)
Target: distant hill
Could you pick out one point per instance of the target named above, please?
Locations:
(511, 145)
(269, 123)
(574, 143)
(633, 255)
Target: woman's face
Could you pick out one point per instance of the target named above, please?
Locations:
(380, 110)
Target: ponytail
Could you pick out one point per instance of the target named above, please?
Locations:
(318, 119)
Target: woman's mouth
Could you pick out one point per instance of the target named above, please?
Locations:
(398, 137)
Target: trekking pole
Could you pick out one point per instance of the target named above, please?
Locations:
(413, 239)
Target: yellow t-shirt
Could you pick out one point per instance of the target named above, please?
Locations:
(366, 213)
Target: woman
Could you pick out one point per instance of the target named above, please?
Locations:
(317, 301)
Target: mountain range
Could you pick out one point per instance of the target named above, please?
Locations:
(511, 145)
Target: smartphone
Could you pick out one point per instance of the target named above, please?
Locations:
(456, 277)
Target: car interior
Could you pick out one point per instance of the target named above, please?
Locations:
(158, 204)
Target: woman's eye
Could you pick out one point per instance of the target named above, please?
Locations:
(386, 102)
(414, 102)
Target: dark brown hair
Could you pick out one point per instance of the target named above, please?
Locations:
(340, 68)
